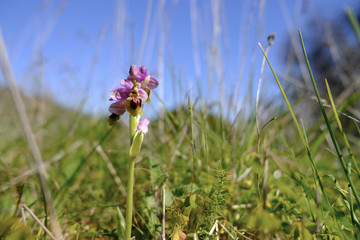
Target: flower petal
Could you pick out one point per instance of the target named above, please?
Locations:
(117, 108)
(153, 83)
(142, 74)
(126, 84)
(133, 72)
(143, 125)
(144, 70)
(143, 95)
(182, 235)
(115, 94)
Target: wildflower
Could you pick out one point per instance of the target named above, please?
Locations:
(182, 235)
(178, 235)
(135, 89)
(127, 97)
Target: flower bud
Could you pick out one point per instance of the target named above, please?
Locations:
(133, 72)
(113, 119)
(143, 125)
(144, 70)
(136, 144)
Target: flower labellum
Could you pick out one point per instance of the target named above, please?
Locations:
(117, 108)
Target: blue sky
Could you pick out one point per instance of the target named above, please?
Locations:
(77, 51)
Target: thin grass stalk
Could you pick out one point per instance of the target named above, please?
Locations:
(354, 22)
(163, 213)
(257, 120)
(285, 98)
(301, 134)
(352, 157)
(145, 32)
(192, 143)
(23, 217)
(40, 231)
(111, 169)
(352, 212)
(29, 136)
(318, 184)
(265, 180)
(73, 176)
(337, 148)
(39, 222)
(357, 126)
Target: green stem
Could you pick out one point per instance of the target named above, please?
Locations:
(130, 186)
(133, 121)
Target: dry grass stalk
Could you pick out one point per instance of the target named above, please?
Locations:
(29, 136)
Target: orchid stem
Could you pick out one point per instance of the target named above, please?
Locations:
(130, 186)
(133, 121)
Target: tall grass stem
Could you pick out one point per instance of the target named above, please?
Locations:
(29, 136)
(337, 148)
(347, 144)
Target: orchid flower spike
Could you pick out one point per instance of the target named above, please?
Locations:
(134, 91)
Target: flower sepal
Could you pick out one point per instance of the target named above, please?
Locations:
(141, 130)
(136, 144)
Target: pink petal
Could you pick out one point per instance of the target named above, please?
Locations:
(153, 83)
(143, 125)
(143, 95)
(117, 108)
(144, 71)
(126, 84)
(133, 71)
(182, 235)
(115, 94)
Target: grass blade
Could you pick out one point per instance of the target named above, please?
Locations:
(120, 224)
(338, 151)
(341, 128)
(354, 22)
(301, 134)
(285, 98)
(192, 142)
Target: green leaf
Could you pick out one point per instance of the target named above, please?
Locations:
(120, 223)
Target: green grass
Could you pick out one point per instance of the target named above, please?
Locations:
(294, 186)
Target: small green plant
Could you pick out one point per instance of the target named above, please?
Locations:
(197, 211)
(217, 196)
